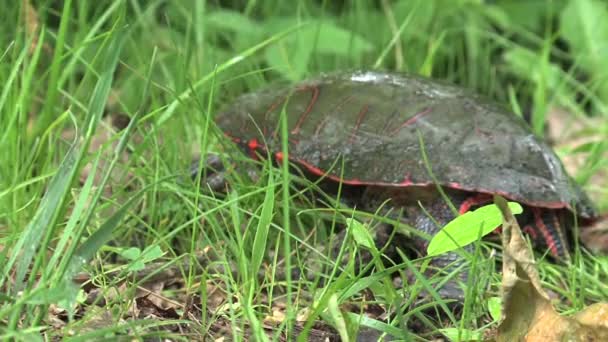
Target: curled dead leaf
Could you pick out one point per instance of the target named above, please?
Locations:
(528, 314)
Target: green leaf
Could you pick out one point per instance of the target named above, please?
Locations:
(332, 39)
(233, 21)
(495, 308)
(360, 233)
(131, 253)
(292, 55)
(337, 317)
(455, 334)
(152, 253)
(364, 320)
(465, 228)
(140, 258)
(289, 58)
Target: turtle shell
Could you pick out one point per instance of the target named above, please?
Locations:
(371, 128)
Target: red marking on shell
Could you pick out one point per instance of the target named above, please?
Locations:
(320, 125)
(360, 117)
(407, 181)
(323, 122)
(410, 121)
(318, 171)
(253, 144)
(540, 204)
(545, 231)
(314, 169)
(313, 100)
(274, 106)
(454, 185)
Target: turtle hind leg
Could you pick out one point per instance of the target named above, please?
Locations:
(545, 227)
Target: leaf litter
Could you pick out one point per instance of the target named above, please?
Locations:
(527, 313)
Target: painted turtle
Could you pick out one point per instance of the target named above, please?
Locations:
(363, 129)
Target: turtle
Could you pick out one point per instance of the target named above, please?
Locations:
(368, 130)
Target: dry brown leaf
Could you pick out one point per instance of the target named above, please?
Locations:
(216, 296)
(277, 317)
(596, 314)
(527, 311)
(153, 291)
(303, 315)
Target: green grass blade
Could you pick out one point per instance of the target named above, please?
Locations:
(261, 233)
(52, 202)
(53, 91)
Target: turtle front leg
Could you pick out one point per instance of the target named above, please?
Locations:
(440, 214)
(214, 172)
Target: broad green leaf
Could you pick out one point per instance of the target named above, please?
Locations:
(233, 21)
(321, 36)
(139, 258)
(291, 55)
(331, 39)
(131, 253)
(465, 228)
(289, 58)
